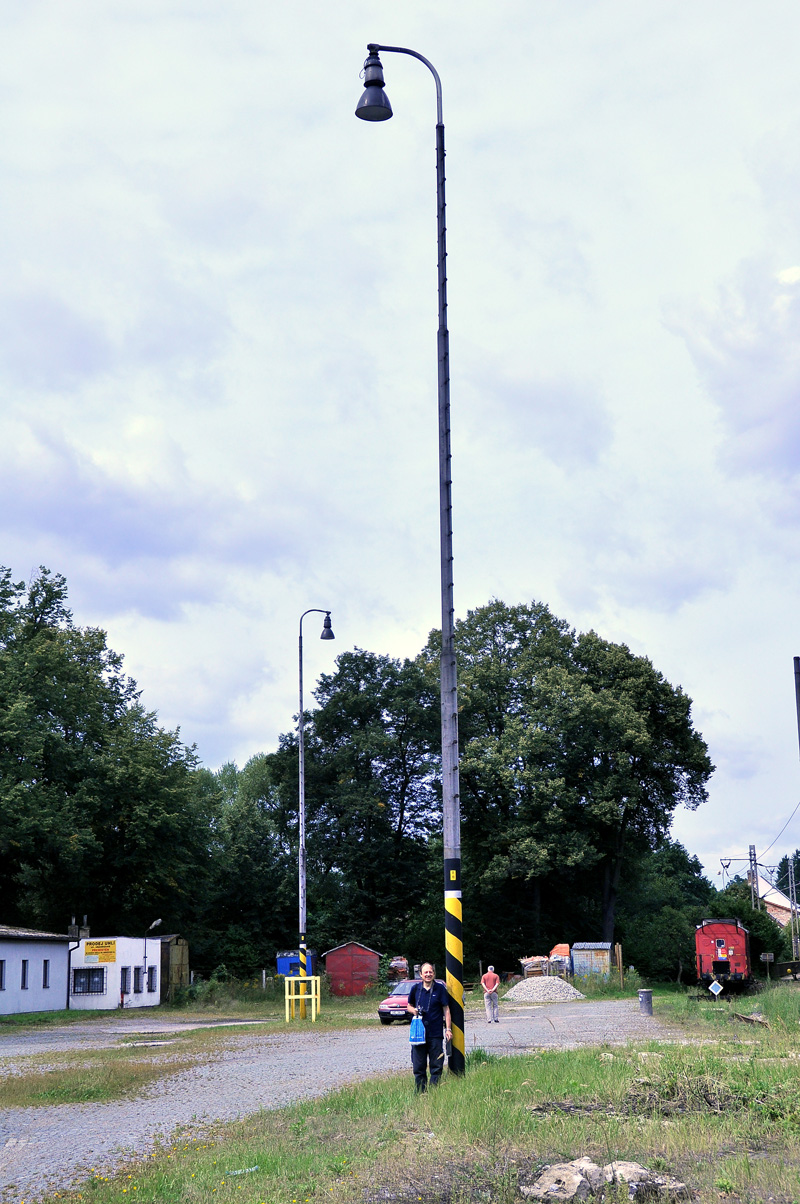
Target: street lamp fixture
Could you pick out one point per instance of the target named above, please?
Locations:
(327, 634)
(374, 106)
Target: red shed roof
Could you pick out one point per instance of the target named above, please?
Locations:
(347, 944)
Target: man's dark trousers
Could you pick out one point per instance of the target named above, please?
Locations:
(432, 1051)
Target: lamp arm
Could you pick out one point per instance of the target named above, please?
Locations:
(374, 48)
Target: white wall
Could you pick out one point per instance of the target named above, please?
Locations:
(35, 997)
(127, 952)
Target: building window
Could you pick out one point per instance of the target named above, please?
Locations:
(89, 981)
(137, 980)
(125, 980)
(2, 975)
(152, 979)
(24, 975)
(45, 973)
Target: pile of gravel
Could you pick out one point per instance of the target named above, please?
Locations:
(543, 990)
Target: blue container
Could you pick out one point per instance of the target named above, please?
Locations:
(289, 962)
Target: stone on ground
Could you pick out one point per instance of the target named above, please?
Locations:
(559, 1182)
(542, 990)
(582, 1178)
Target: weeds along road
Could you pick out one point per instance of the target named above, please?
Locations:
(48, 1148)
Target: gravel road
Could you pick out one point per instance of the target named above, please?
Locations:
(44, 1149)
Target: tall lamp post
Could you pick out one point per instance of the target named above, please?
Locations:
(327, 634)
(374, 106)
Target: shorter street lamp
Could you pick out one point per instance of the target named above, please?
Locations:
(155, 924)
(327, 634)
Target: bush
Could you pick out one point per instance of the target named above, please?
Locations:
(383, 973)
(223, 991)
(600, 986)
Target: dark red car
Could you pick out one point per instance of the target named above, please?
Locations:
(393, 1007)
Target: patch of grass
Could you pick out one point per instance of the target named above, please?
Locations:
(88, 1075)
(45, 1019)
(779, 1004)
(478, 1057)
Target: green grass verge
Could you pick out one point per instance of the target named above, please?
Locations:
(95, 1075)
(45, 1019)
(92, 1076)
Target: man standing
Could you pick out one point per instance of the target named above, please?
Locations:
(429, 1000)
(490, 982)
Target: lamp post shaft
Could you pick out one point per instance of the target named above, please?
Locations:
(301, 803)
(451, 811)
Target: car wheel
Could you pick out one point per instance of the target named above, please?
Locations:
(385, 1019)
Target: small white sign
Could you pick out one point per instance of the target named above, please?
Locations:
(715, 988)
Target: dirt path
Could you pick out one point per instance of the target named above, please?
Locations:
(49, 1148)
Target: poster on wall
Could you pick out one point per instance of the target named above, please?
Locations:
(99, 951)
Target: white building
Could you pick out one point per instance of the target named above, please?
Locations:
(117, 971)
(33, 970)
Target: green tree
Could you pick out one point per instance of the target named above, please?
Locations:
(97, 809)
(371, 802)
(575, 754)
(250, 902)
(660, 908)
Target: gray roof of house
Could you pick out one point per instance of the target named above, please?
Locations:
(592, 945)
(30, 934)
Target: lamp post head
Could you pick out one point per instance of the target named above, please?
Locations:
(327, 630)
(155, 924)
(374, 104)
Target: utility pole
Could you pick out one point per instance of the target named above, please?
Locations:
(755, 897)
(794, 921)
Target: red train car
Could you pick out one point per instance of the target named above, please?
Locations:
(723, 954)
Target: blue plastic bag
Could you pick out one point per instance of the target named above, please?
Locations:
(416, 1033)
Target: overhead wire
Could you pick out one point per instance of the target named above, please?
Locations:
(783, 829)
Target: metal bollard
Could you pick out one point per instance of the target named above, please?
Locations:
(646, 1002)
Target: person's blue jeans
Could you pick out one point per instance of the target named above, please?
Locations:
(421, 1055)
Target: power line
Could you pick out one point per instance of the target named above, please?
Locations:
(783, 829)
(728, 860)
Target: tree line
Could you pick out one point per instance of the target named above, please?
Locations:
(575, 754)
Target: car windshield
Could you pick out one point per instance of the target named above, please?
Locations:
(403, 988)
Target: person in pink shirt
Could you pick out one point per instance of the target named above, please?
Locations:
(490, 982)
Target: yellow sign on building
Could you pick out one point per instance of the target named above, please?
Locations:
(100, 951)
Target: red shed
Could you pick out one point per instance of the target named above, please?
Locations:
(351, 968)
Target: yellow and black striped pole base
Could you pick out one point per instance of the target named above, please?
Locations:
(303, 974)
(454, 958)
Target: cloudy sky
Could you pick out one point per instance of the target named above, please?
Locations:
(218, 353)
